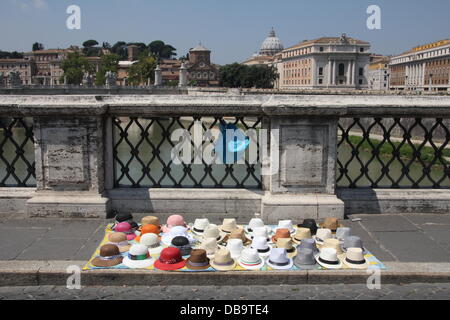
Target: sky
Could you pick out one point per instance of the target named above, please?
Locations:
(232, 29)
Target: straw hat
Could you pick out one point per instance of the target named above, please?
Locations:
(138, 257)
(126, 228)
(212, 231)
(286, 224)
(199, 226)
(238, 233)
(279, 259)
(150, 220)
(301, 234)
(305, 260)
(308, 244)
(151, 241)
(222, 261)
(260, 244)
(198, 260)
(353, 242)
(170, 259)
(322, 234)
(250, 259)
(175, 232)
(109, 256)
(311, 224)
(332, 224)
(174, 220)
(120, 240)
(354, 259)
(342, 233)
(256, 223)
(210, 246)
(183, 244)
(285, 243)
(235, 246)
(148, 228)
(328, 259)
(281, 233)
(333, 243)
(228, 225)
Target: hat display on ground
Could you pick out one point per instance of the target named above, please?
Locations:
(175, 232)
(285, 224)
(311, 224)
(183, 244)
(148, 228)
(126, 228)
(212, 231)
(322, 234)
(109, 256)
(261, 232)
(123, 217)
(138, 257)
(200, 226)
(281, 233)
(150, 220)
(170, 259)
(210, 246)
(308, 244)
(353, 242)
(328, 259)
(342, 233)
(354, 259)
(222, 260)
(333, 243)
(287, 244)
(152, 242)
(279, 259)
(301, 234)
(238, 233)
(256, 223)
(198, 260)
(305, 259)
(174, 220)
(235, 246)
(250, 259)
(332, 224)
(228, 225)
(120, 240)
(261, 245)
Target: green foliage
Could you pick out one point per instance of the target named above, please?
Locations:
(90, 43)
(242, 76)
(140, 72)
(109, 62)
(120, 49)
(11, 55)
(161, 50)
(74, 67)
(38, 46)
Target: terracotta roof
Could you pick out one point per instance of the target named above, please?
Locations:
(14, 60)
(49, 51)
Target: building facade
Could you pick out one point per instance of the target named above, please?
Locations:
(25, 67)
(423, 68)
(378, 74)
(270, 47)
(201, 72)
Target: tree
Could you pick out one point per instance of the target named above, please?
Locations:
(120, 48)
(143, 70)
(90, 48)
(257, 76)
(74, 67)
(109, 62)
(161, 50)
(38, 46)
(90, 43)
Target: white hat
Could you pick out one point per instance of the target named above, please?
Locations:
(354, 259)
(177, 231)
(199, 226)
(151, 241)
(138, 257)
(256, 223)
(250, 259)
(328, 259)
(279, 259)
(261, 232)
(261, 245)
(235, 246)
(210, 246)
(286, 224)
(228, 225)
(322, 234)
(212, 231)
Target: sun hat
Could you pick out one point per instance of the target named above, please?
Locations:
(308, 244)
(238, 233)
(260, 244)
(210, 246)
(256, 223)
(331, 223)
(151, 241)
(109, 256)
(138, 257)
(228, 225)
(281, 233)
(285, 224)
(235, 246)
(333, 243)
(261, 232)
(150, 220)
(305, 260)
(126, 228)
(250, 259)
(175, 232)
(174, 220)
(353, 242)
(342, 233)
(285, 243)
(279, 259)
(183, 244)
(222, 260)
(148, 228)
(199, 226)
(198, 260)
(301, 234)
(328, 259)
(311, 224)
(170, 259)
(120, 240)
(212, 231)
(354, 259)
(123, 217)
(322, 234)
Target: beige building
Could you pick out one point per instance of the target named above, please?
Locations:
(25, 67)
(378, 73)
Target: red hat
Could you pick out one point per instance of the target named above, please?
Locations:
(170, 259)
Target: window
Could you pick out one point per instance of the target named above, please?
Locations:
(360, 81)
(320, 81)
(361, 49)
(321, 49)
(361, 71)
(341, 69)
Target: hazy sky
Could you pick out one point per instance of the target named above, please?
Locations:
(232, 29)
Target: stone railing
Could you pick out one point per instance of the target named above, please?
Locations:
(94, 154)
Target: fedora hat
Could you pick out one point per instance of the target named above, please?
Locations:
(235, 246)
(308, 244)
(328, 259)
(250, 259)
(305, 260)
(109, 256)
(260, 244)
(150, 220)
(353, 242)
(175, 232)
(311, 224)
(285, 243)
(322, 234)
(238, 233)
(222, 260)
(183, 244)
(342, 233)
(354, 259)
(199, 226)
(256, 223)
(120, 240)
(151, 241)
(138, 257)
(281, 233)
(174, 220)
(228, 225)
(285, 224)
(210, 246)
(170, 259)
(333, 243)
(301, 234)
(331, 223)
(123, 217)
(148, 228)
(198, 260)
(261, 232)
(126, 228)
(212, 231)
(279, 259)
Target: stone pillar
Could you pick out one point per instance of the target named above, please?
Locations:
(353, 73)
(2, 80)
(69, 167)
(349, 73)
(158, 76)
(183, 76)
(14, 79)
(330, 72)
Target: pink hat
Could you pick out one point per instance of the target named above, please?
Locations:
(174, 221)
(126, 228)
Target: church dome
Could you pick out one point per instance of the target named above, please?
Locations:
(272, 45)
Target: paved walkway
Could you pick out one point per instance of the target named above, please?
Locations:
(399, 238)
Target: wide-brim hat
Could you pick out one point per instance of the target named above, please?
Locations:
(328, 265)
(155, 251)
(329, 222)
(351, 265)
(230, 267)
(251, 266)
(227, 265)
(301, 232)
(276, 267)
(190, 266)
(201, 264)
(306, 266)
(99, 262)
(354, 259)
(310, 224)
(122, 248)
(169, 266)
(226, 224)
(138, 264)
